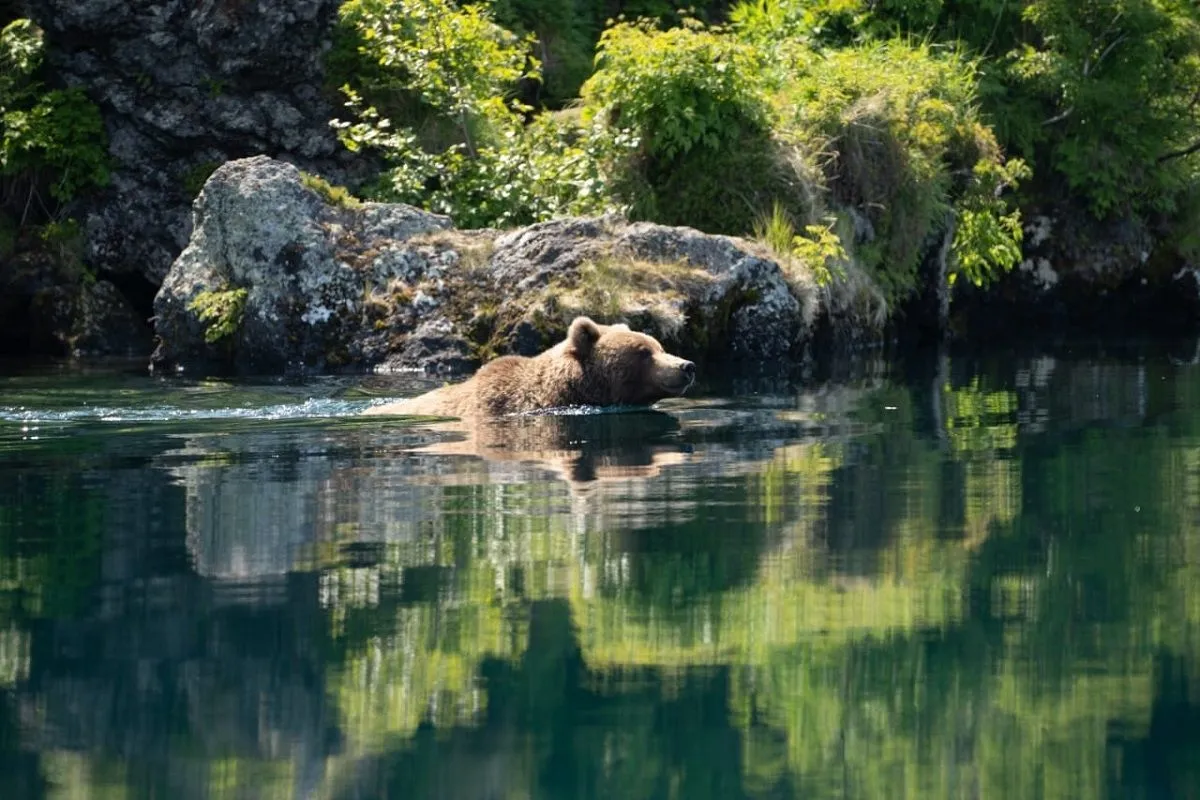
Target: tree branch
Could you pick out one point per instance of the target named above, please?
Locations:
(1187, 151)
(1059, 117)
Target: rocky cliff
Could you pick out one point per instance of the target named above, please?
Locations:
(183, 86)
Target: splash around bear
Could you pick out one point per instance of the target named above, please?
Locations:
(596, 365)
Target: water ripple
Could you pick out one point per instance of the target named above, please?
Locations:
(308, 409)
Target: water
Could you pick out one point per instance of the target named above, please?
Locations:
(953, 578)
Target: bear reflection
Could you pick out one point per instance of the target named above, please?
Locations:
(579, 448)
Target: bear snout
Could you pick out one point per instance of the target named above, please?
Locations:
(678, 376)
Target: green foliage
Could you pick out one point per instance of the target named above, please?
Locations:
(902, 144)
(1114, 88)
(455, 60)
(56, 136)
(197, 175)
(819, 249)
(548, 169)
(21, 55)
(677, 89)
(221, 310)
(1098, 95)
(458, 65)
(690, 106)
(338, 196)
(987, 239)
(822, 250)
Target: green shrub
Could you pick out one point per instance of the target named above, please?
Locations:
(221, 310)
(901, 141)
(48, 138)
(1098, 95)
(1113, 91)
(678, 89)
(497, 170)
(691, 106)
(455, 61)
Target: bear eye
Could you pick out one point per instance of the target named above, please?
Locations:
(645, 352)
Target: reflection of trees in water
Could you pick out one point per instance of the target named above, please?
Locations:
(183, 681)
(554, 728)
(817, 596)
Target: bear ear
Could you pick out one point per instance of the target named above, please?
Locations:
(582, 335)
(620, 326)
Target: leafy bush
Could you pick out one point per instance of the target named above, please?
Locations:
(459, 65)
(1098, 95)
(691, 103)
(1114, 88)
(50, 140)
(902, 144)
(679, 89)
(457, 61)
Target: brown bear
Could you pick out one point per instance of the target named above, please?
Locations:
(596, 365)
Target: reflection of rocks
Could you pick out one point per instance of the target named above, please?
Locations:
(1065, 393)
(248, 517)
(251, 517)
(133, 660)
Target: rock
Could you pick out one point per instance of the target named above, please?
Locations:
(183, 86)
(434, 348)
(303, 265)
(51, 306)
(392, 287)
(765, 323)
(1078, 274)
(529, 257)
(106, 324)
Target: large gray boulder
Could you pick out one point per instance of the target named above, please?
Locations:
(310, 285)
(305, 267)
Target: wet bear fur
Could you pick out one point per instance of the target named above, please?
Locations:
(596, 365)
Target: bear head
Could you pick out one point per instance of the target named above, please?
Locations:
(625, 367)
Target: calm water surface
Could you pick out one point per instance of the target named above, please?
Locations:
(973, 578)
